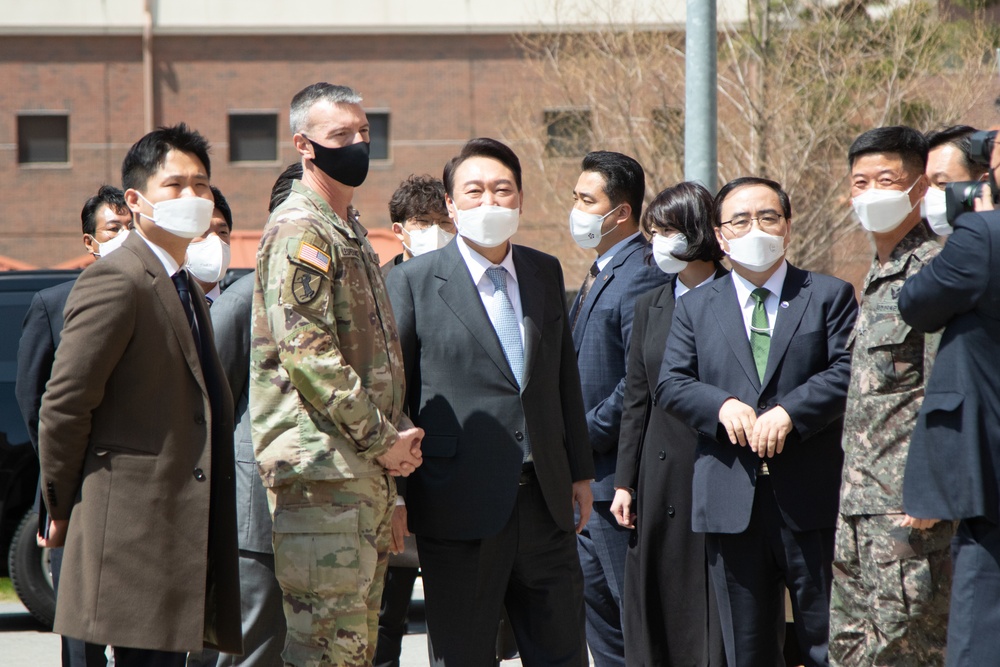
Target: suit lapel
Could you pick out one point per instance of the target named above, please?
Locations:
(729, 313)
(795, 297)
(532, 310)
(461, 295)
(166, 294)
(604, 278)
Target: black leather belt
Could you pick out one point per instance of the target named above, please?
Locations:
(527, 473)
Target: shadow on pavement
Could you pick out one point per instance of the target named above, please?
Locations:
(20, 622)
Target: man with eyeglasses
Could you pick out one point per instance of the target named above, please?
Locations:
(892, 571)
(758, 365)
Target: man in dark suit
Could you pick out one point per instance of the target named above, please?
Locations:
(492, 380)
(758, 365)
(263, 617)
(105, 217)
(951, 470)
(605, 217)
(135, 434)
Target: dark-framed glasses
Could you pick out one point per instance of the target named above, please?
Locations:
(766, 221)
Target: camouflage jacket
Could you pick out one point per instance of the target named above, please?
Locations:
(326, 370)
(890, 362)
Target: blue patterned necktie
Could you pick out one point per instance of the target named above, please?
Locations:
(509, 332)
(505, 323)
(183, 291)
(760, 331)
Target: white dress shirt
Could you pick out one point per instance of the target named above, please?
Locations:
(609, 254)
(477, 265)
(771, 304)
(169, 263)
(680, 289)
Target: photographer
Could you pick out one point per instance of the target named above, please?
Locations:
(949, 160)
(953, 468)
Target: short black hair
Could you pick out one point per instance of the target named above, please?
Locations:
(417, 195)
(624, 178)
(283, 185)
(222, 205)
(904, 141)
(958, 136)
(689, 209)
(482, 147)
(107, 194)
(744, 181)
(148, 154)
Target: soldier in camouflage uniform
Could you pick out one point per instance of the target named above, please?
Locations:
(326, 392)
(892, 572)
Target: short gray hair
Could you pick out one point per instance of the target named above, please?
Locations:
(310, 95)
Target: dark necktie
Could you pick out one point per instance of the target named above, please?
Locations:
(760, 331)
(184, 292)
(588, 282)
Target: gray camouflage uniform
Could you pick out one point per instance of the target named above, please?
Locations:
(891, 584)
(326, 399)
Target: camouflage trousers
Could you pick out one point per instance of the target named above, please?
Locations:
(891, 590)
(331, 545)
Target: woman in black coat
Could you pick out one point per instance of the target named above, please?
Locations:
(670, 615)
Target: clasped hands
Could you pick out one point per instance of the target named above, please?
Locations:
(404, 456)
(764, 433)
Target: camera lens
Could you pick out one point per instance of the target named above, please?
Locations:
(960, 197)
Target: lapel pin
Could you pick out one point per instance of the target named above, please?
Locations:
(784, 304)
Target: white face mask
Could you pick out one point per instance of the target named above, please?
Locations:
(208, 260)
(487, 226)
(186, 217)
(882, 211)
(936, 212)
(586, 227)
(108, 247)
(756, 250)
(423, 241)
(665, 249)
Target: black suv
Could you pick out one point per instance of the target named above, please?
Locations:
(27, 563)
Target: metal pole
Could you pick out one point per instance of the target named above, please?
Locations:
(700, 105)
(147, 66)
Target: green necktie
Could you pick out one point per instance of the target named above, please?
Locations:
(760, 331)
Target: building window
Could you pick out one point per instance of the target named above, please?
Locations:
(253, 137)
(378, 122)
(42, 137)
(568, 132)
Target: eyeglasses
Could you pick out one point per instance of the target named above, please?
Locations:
(767, 222)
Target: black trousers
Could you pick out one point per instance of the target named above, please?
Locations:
(144, 657)
(392, 617)
(750, 571)
(531, 567)
(974, 620)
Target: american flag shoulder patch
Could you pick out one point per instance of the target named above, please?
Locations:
(313, 256)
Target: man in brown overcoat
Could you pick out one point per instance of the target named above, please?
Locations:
(136, 430)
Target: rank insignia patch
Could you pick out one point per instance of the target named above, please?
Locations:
(305, 286)
(313, 256)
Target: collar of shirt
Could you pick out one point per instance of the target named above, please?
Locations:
(478, 264)
(213, 293)
(774, 284)
(680, 289)
(168, 262)
(901, 255)
(609, 255)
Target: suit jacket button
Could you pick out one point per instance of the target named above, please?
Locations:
(518, 436)
(199, 419)
(670, 510)
(762, 405)
(663, 455)
(199, 474)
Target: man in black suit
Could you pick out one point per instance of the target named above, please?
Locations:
(605, 217)
(105, 218)
(758, 365)
(951, 471)
(492, 380)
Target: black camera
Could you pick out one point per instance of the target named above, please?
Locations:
(960, 196)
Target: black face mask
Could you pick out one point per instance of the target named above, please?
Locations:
(347, 164)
